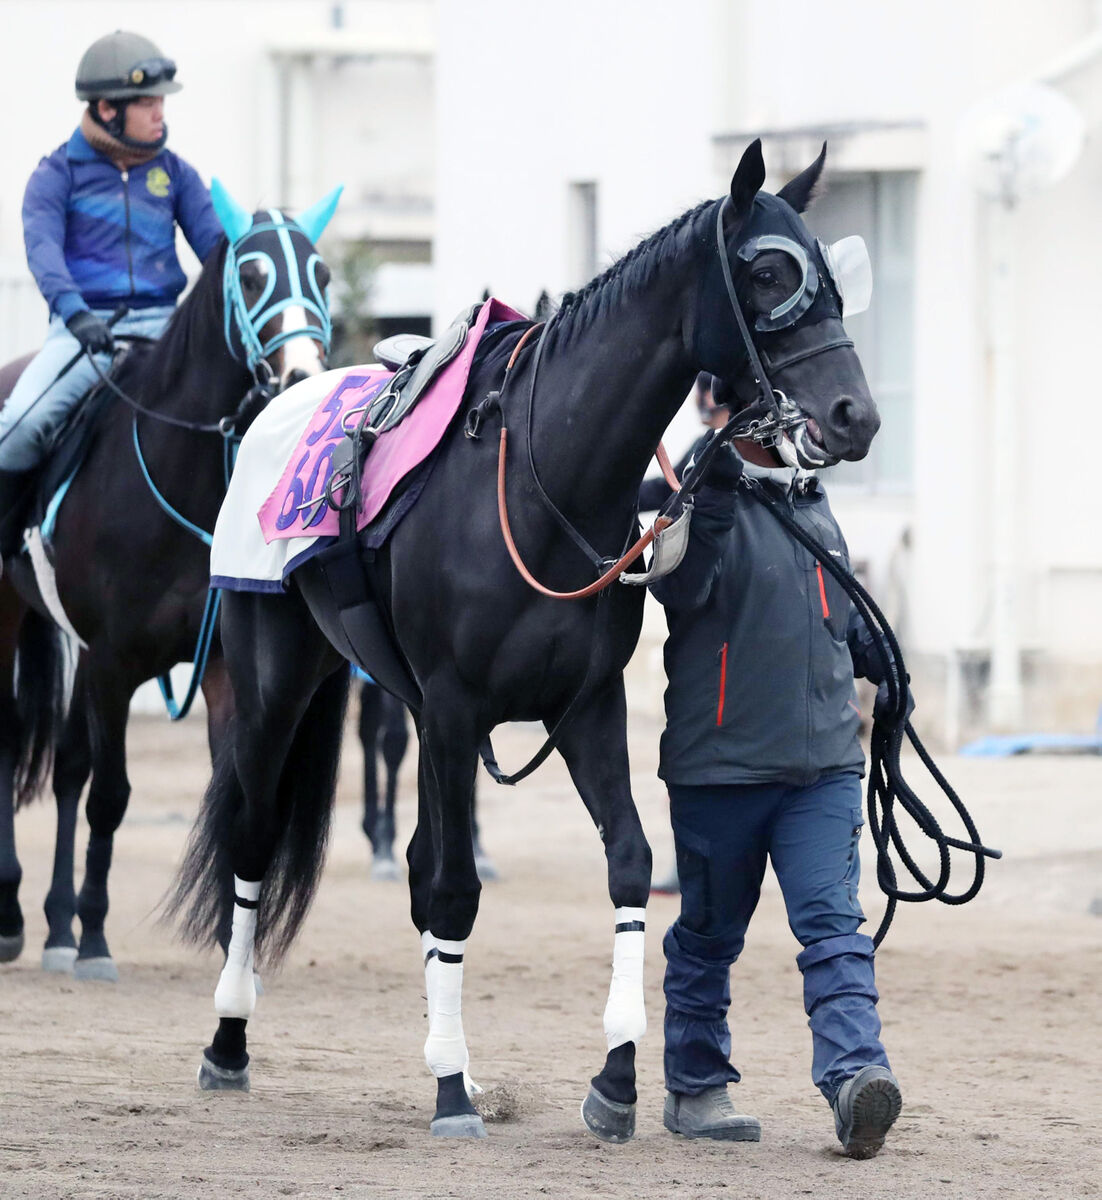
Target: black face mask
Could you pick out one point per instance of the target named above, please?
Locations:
(117, 124)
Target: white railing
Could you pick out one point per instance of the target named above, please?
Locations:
(23, 314)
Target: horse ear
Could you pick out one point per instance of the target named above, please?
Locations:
(802, 190)
(314, 220)
(748, 178)
(234, 219)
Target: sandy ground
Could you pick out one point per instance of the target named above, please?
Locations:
(990, 1012)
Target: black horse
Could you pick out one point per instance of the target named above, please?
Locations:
(132, 568)
(585, 406)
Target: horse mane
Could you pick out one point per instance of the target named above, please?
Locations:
(188, 333)
(634, 270)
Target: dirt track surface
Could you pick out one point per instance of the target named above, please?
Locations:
(990, 1013)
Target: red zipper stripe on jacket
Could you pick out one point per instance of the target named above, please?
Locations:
(722, 683)
(822, 592)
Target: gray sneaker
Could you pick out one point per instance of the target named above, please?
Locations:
(865, 1109)
(710, 1114)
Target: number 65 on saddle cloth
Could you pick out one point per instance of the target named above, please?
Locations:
(394, 454)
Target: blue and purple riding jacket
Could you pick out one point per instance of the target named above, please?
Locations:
(98, 236)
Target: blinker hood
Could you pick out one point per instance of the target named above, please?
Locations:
(844, 265)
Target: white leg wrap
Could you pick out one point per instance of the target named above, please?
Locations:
(235, 995)
(625, 1014)
(445, 1047)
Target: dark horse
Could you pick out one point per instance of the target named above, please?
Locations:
(132, 580)
(585, 406)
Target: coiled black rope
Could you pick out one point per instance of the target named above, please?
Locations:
(886, 782)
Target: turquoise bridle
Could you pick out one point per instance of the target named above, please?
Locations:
(304, 292)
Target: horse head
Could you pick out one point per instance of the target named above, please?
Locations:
(791, 350)
(275, 303)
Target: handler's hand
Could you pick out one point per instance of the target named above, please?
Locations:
(881, 708)
(725, 469)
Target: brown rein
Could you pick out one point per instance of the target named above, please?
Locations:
(610, 576)
(613, 573)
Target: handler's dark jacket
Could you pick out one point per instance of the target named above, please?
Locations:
(763, 645)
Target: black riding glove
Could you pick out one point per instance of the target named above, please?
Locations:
(881, 708)
(93, 333)
(725, 469)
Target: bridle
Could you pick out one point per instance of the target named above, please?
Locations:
(251, 319)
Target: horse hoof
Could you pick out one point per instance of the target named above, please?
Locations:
(608, 1120)
(465, 1125)
(102, 970)
(213, 1078)
(385, 869)
(11, 947)
(59, 960)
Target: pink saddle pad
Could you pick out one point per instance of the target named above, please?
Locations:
(394, 454)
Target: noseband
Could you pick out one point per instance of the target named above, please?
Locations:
(251, 320)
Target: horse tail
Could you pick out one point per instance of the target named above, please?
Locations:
(304, 804)
(39, 704)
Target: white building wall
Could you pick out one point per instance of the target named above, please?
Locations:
(632, 96)
(361, 105)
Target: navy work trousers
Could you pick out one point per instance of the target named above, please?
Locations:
(724, 836)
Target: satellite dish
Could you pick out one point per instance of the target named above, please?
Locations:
(1020, 140)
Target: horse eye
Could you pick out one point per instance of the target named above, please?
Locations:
(253, 276)
(764, 278)
(321, 274)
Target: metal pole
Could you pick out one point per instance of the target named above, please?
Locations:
(1004, 695)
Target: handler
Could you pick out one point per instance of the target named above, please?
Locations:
(762, 761)
(99, 222)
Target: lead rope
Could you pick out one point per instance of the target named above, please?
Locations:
(886, 781)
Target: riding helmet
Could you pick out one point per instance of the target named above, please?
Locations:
(120, 66)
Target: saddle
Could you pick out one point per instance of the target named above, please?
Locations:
(69, 448)
(45, 486)
(416, 362)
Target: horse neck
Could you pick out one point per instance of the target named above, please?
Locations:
(201, 386)
(606, 392)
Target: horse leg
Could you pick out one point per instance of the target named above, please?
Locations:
(276, 696)
(393, 743)
(218, 695)
(108, 699)
(72, 766)
(444, 889)
(594, 745)
(11, 873)
(370, 707)
(484, 864)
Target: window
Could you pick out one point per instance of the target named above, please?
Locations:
(881, 207)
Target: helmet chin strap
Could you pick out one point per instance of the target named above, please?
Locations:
(115, 126)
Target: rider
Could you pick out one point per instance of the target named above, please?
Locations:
(99, 223)
(762, 761)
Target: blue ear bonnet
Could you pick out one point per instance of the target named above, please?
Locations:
(276, 242)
